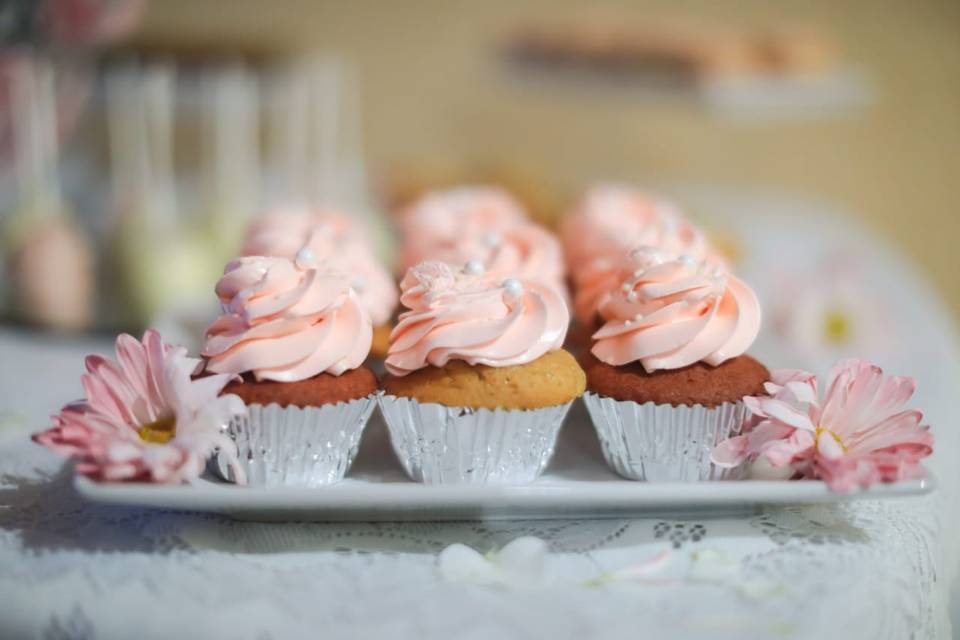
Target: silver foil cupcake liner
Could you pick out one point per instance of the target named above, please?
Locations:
(437, 444)
(297, 447)
(662, 442)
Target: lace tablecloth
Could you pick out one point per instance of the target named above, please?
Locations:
(870, 569)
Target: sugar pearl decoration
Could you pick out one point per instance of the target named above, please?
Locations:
(359, 284)
(650, 256)
(513, 286)
(305, 257)
(473, 268)
(491, 240)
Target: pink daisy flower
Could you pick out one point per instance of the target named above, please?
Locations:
(144, 418)
(857, 436)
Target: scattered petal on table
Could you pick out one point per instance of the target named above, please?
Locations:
(11, 420)
(519, 564)
(641, 572)
(714, 566)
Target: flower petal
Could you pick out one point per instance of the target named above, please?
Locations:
(828, 446)
(782, 412)
(784, 451)
(460, 563)
(153, 380)
(523, 559)
(731, 452)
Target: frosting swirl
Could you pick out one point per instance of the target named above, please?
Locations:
(282, 232)
(613, 219)
(673, 311)
(594, 282)
(443, 218)
(526, 251)
(333, 238)
(285, 321)
(609, 222)
(475, 316)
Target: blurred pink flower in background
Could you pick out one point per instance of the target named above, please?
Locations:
(144, 417)
(859, 435)
(831, 312)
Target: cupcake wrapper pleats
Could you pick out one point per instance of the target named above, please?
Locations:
(437, 444)
(661, 442)
(297, 447)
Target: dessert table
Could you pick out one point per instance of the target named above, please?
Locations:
(871, 569)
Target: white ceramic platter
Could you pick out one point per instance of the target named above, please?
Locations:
(577, 484)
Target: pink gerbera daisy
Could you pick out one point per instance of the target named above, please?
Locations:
(857, 436)
(145, 418)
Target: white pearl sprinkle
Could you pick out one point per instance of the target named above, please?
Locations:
(491, 239)
(513, 286)
(305, 257)
(359, 284)
(687, 261)
(631, 296)
(474, 268)
(647, 257)
(626, 287)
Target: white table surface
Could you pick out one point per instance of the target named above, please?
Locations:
(872, 569)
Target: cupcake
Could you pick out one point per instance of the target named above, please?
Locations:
(485, 225)
(477, 384)
(444, 216)
(667, 372)
(608, 222)
(296, 335)
(337, 240)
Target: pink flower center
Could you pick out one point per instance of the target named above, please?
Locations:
(833, 434)
(837, 326)
(159, 431)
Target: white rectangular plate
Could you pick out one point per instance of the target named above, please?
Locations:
(576, 485)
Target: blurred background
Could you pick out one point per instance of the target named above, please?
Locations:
(138, 138)
(816, 141)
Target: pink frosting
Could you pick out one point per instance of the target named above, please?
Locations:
(613, 219)
(609, 222)
(283, 232)
(595, 281)
(670, 312)
(333, 238)
(475, 316)
(526, 251)
(443, 218)
(286, 321)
